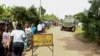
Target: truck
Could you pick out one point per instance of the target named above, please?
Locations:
(69, 24)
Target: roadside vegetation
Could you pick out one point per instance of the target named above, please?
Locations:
(23, 14)
(79, 30)
(91, 21)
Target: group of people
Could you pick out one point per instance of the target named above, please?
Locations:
(14, 41)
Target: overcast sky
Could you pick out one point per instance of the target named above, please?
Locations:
(58, 7)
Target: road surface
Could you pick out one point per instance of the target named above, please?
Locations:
(65, 44)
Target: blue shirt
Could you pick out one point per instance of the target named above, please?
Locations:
(33, 29)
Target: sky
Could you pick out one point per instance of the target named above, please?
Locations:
(60, 8)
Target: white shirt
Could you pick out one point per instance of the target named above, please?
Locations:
(18, 35)
(39, 27)
(6, 37)
(27, 30)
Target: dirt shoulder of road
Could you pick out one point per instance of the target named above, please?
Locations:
(93, 47)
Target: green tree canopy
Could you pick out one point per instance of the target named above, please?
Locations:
(79, 16)
(50, 17)
(1, 11)
(91, 21)
(32, 15)
(26, 15)
(19, 12)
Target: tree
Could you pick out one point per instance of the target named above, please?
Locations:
(50, 17)
(42, 11)
(79, 16)
(1, 11)
(91, 22)
(19, 13)
(25, 15)
(32, 15)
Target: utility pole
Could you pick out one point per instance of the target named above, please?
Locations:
(40, 8)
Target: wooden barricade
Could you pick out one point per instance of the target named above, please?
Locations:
(40, 40)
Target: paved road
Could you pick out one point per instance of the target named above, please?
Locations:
(65, 44)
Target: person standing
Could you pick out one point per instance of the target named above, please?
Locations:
(43, 27)
(33, 29)
(1, 33)
(28, 33)
(39, 28)
(6, 41)
(18, 36)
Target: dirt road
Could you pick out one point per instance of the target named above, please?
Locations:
(65, 44)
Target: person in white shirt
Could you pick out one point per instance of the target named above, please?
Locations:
(28, 34)
(17, 37)
(39, 28)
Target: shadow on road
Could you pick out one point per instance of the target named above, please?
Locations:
(74, 43)
(66, 30)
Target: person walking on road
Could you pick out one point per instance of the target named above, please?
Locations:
(17, 36)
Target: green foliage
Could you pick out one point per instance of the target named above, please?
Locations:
(26, 15)
(19, 13)
(79, 16)
(1, 11)
(42, 11)
(23, 14)
(50, 17)
(91, 22)
(32, 15)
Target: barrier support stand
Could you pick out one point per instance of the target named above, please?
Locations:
(35, 48)
(52, 50)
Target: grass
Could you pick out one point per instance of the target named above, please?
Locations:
(79, 30)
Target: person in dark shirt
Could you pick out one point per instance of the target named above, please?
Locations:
(1, 33)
